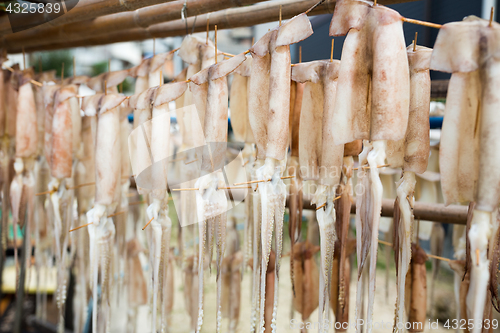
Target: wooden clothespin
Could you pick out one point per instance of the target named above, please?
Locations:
(415, 42)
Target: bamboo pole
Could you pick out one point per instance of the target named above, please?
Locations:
(225, 19)
(141, 18)
(79, 11)
(452, 214)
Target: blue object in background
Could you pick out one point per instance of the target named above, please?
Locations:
(436, 122)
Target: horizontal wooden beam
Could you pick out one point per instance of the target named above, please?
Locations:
(225, 19)
(452, 214)
(140, 18)
(84, 10)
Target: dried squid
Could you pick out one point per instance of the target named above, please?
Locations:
(107, 167)
(270, 125)
(60, 159)
(198, 54)
(470, 134)
(412, 154)
(306, 280)
(418, 295)
(296, 194)
(107, 82)
(158, 210)
(155, 77)
(372, 104)
(23, 183)
(320, 159)
(211, 201)
(239, 108)
(344, 246)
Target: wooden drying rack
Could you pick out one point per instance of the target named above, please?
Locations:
(452, 214)
(106, 28)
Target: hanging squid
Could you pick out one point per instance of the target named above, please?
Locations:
(211, 201)
(59, 151)
(107, 82)
(340, 289)
(141, 74)
(372, 104)
(84, 174)
(239, 106)
(158, 210)
(320, 159)
(155, 77)
(102, 230)
(296, 194)
(418, 296)
(470, 134)
(411, 153)
(306, 280)
(23, 183)
(197, 54)
(269, 120)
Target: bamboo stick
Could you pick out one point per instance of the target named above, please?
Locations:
(428, 255)
(10, 69)
(425, 24)
(215, 45)
(260, 181)
(323, 205)
(368, 167)
(331, 50)
(80, 227)
(147, 223)
(225, 19)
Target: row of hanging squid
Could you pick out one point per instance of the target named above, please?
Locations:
(307, 123)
